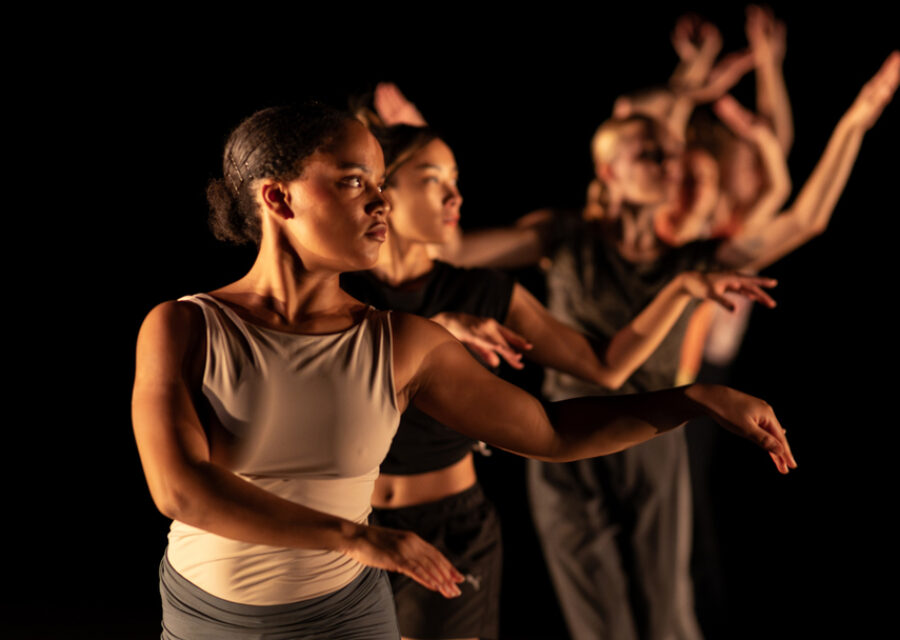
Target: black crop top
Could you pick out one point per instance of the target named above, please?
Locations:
(422, 443)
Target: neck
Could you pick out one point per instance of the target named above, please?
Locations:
(282, 289)
(634, 235)
(401, 260)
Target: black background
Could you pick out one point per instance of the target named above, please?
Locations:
(143, 112)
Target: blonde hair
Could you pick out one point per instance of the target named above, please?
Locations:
(604, 149)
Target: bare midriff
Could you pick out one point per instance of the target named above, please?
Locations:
(393, 491)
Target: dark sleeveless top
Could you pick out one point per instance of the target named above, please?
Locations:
(422, 443)
(592, 288)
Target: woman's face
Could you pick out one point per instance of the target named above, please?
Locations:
(644, 166)
(424, 198)
(339, 212)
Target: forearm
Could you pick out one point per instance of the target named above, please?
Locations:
(608, 364)
(229, 506)
(778, 183)
(502, 248)
(758, 246)
(596, 426)
(633, 344)
(773, 103)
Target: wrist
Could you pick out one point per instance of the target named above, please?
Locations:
(349, 536)
(697, 395)
(682, 284)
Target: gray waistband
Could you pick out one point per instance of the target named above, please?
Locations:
(364, 609)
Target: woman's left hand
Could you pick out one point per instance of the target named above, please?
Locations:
(715, 286)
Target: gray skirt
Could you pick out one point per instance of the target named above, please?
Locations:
(362, 610)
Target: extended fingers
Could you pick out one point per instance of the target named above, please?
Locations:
(755, 292)
(514, 340)
(774, 427)
(430, 568)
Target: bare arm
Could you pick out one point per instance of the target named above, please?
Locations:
(556, 345)
(777, 178)
(768, 42)
(443, 380)
(513, 247)
(808, 216)
(186, 484)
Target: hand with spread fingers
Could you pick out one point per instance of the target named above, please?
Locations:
(715, 286)
(406, 553)
(486, 337)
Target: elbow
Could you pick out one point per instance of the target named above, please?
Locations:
(782, 188)
(177, 503)
(609, 379)
(613, 382)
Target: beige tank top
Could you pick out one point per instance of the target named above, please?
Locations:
(311, 418)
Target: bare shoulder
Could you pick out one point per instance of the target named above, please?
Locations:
(169, 338)
(415, 337)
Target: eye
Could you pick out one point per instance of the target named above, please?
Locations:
(354, 182)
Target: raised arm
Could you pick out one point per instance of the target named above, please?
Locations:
(808, 216)
(777, 179)
(440, 377)
(768, 43)
(187, 485)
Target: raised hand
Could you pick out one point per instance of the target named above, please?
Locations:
(394, 108)
(486, 337)
(406, 553)
(715, 286)
(748, 417)
(876, 93)
(766, 35)
(693, 36)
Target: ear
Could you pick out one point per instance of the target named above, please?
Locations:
(275, 198)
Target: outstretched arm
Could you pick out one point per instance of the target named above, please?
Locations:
(520, 245)
(560, 347)
(188, 485)
(808, 216)
(440, 377)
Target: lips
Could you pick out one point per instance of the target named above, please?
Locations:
(451, 221)
(377, 231)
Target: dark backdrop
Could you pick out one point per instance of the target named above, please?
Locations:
(147, 108)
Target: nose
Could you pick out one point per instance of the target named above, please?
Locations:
(452, 196)
(379, 204)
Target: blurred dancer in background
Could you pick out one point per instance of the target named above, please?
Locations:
(616, 531)
(428, 482)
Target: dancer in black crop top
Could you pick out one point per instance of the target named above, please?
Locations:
(428, 481)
